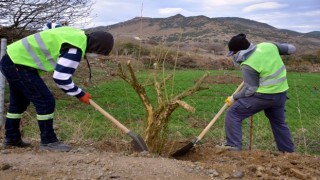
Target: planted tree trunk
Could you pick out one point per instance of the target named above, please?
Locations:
(158, 117)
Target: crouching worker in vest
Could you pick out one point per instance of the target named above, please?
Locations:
(265, 89)
(56, 50)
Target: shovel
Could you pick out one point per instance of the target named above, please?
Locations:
(137, 142)
(191, 144)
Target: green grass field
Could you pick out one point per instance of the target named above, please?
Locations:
(78, 121)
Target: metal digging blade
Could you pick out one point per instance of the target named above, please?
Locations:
(191, 144)
(137, 141)
(182, 151)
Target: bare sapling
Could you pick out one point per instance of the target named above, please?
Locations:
(158, 115)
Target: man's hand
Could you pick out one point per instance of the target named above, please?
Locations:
(229, 100)
(85, 98)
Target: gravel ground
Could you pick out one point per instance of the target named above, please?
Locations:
(95, 161)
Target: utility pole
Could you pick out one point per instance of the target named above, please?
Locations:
(2, 84)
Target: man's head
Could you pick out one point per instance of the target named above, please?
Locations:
(238, 43)
(99, 42)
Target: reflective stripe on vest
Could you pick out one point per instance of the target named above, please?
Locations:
(269, 79)
(43, 49)
(44, 117)
(14, 115)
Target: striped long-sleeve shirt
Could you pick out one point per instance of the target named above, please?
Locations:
(66, 66)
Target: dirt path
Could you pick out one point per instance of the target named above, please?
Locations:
(93, 161)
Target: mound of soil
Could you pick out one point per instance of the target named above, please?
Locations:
(105, 161)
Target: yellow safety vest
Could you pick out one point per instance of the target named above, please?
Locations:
(41, 50)
(267, 61)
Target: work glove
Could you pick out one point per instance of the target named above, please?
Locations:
(229, 100)
(85, 98)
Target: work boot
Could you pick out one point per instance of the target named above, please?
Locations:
(227, 147)
(16, 143)
(12, 130)
(47, 134)
(55, 146)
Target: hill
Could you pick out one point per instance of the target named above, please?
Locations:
(201, 31)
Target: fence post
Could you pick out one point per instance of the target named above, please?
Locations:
(2, 83)
(250, 129)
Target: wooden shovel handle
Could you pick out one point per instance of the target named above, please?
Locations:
(108, 116)
(218, 114)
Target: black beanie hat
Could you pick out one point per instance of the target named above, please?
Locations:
(237, 43)
(99, 42)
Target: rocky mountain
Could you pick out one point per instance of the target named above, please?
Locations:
(203, 31)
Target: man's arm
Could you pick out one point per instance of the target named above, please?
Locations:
(285, 48)
(66, 66)
(251, 82)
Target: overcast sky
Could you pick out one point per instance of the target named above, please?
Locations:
(297, 15)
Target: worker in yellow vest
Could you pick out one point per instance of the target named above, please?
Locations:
(57, 50)
(265, 89)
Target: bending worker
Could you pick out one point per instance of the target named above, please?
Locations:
(265, 89)
(56, 50)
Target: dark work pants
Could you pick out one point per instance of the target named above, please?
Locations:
(26, 86)
(273, 106)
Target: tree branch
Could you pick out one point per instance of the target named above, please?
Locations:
(140, 90)
(195, 88)
(185, 106)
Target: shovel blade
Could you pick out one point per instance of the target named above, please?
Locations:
(137, 142)
(182, 151)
